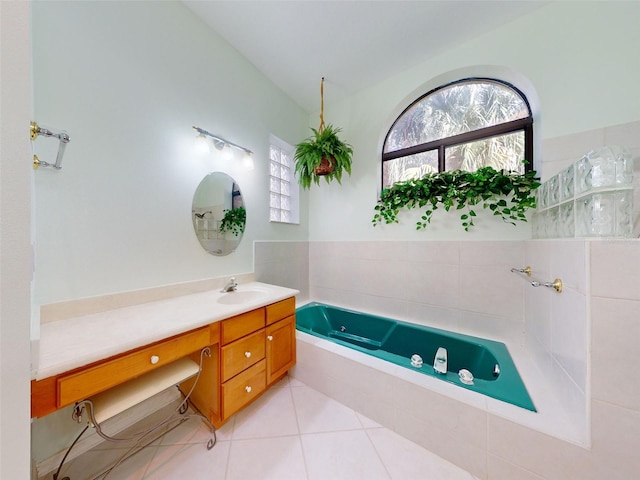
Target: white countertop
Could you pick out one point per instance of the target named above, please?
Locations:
(74, 342)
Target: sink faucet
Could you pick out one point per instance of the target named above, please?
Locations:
(231, 286)
(440, 361)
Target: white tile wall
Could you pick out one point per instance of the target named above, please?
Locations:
(615, 337)
(283, 263)
(615, 268)
(460, 286)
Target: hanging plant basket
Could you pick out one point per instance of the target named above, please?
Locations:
(323, 154)
(327, 165)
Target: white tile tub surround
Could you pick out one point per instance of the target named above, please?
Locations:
(459, 286)
(615, 294)
(470, 288)
(615, 335)
(448, 420)
(557, 325)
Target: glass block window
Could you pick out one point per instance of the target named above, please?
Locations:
(464, 125)
(284, 191)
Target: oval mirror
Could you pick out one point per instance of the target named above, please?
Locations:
(218, 214)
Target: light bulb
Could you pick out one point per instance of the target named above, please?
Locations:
(227, 153)
(247, 161)
(202, 144)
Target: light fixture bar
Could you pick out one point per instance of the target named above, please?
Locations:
(202, 131)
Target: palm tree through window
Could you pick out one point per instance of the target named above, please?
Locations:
(465, 125)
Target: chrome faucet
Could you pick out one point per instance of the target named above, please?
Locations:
(440, 361)
(231, 286)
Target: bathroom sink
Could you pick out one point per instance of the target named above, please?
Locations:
(242, 296)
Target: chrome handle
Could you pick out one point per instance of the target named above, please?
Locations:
(270, 337)
(154, 359)
(247, 354)
(248, 389)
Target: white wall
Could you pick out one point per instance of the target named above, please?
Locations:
(15, 206)
(128, 80)
(577, 62)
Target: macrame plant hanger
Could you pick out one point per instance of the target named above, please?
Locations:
(322, 125)
(326, 166)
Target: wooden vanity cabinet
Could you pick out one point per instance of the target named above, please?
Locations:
(257, 349)
(247, 354)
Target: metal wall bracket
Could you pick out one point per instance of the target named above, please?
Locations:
(34, 131)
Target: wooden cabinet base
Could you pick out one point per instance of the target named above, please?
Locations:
(248, 353)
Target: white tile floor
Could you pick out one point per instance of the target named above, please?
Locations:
(291, 432)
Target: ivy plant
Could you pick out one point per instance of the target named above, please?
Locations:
(507, 194)
(233, 221)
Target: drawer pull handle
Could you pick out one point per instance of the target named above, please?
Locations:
(248, 389)
(270, 337)
(247, 354)
(154, 359)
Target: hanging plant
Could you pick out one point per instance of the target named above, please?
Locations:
(233, 221)
(323, 154)
(507, 194)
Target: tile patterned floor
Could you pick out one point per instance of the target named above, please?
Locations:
(291, 433)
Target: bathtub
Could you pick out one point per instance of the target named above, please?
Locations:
(494, 372)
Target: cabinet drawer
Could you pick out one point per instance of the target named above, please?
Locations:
(241, 354)
(90, 381)
(241, 325)
(243, 388)
(278, 311)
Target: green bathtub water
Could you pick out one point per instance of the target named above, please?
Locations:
(397, 341)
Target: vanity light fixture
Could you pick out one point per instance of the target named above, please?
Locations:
(224, 146)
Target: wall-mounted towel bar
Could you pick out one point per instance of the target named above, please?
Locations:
(526, 270)
(556, 284)
(34, 131)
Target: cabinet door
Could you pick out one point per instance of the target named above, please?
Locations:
(281, 348)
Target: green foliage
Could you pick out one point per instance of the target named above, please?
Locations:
(323, 144)
(508, 195)
(234, 221)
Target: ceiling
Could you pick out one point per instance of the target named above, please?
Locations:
(353, 44)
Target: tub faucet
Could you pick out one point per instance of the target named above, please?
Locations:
(440, 361)
(231, 286)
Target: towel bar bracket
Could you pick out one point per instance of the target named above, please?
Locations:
(556, 284)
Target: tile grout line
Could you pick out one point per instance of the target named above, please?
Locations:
(295, 414)
(382, 462)
(228, 460)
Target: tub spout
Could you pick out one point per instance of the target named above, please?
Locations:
(440, 361)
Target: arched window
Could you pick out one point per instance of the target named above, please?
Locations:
(464, 125)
